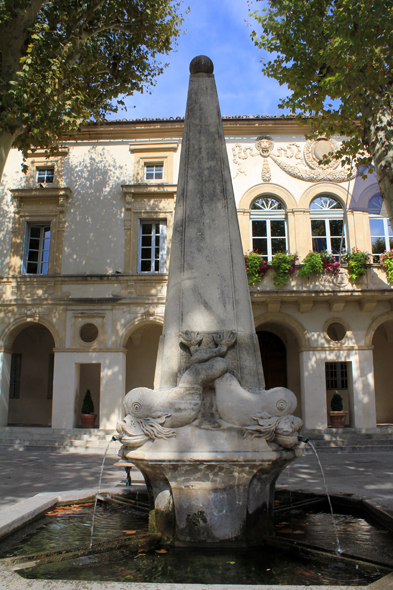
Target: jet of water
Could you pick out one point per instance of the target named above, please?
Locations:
(98, 491)
(338, 550)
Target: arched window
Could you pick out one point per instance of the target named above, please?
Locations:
(268, 226)
(327, 225)
(380, 229)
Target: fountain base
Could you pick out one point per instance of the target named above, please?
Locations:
(219, 497)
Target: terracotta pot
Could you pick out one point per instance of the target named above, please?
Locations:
(88, 420)
(337, 419)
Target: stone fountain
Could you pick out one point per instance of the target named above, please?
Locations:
(209, 439)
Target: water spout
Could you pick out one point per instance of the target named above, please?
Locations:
(303, 439)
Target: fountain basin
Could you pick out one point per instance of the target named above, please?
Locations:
(284, 559)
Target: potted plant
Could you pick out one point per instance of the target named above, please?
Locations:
(337, 415)
(88, 417)
(284, 265)
(357, 263)
(312, 265)
(256, 267)
(386, 261)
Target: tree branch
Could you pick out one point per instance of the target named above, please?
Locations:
(88, 14)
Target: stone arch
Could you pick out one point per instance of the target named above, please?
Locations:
(11, 332)
(385, 317)
(336, 191)
(287, 321)
(267, 189)
(380, 336)
(137, 323)
(294, 338)
(141, 341)
(273, 348)
(30, 346)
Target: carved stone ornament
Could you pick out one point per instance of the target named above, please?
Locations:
(313, 153)
(265, 144)
(152, 415)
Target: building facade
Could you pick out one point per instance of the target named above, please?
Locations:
(86, 240)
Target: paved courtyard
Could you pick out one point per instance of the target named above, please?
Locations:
(27, 473)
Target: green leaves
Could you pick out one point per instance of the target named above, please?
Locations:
(336, 51)
(66, 61)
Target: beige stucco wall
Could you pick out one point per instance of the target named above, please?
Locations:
(67, 387)
(99, 282)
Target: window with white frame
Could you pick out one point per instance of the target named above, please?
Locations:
(152, 246)
(327, 225)
(45, 175)
(380, 229)
(154, 171)
(268, 226)
(37, 246)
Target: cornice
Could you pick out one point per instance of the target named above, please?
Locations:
(39, 193)
(138, 147)
(134, 190)
(171, 129)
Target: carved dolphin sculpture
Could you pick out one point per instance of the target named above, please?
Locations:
(181, 404)
(237, 405)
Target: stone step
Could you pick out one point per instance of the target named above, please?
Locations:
(41, 433)
(78, 439)
(19, 438)
(353, 439)
(54, 445)
(351, 449)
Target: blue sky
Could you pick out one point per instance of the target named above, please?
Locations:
(216, 28)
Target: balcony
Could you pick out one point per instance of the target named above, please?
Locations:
(336, 290)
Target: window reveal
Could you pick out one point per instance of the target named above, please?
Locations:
(37, 249)
(327, 225)
(45, 175)
(336, 376)
(152, 249)
(268, 227)
(154, 171)
(381, 236)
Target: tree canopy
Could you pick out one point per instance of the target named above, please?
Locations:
(63, 62)
(336, 56)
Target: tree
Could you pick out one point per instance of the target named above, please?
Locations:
(65, 61)
(336, 56)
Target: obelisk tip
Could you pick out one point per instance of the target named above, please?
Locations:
(201, 65)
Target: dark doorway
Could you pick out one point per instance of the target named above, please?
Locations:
(274, 359)
(31, 377)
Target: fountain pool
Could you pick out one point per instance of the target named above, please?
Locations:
(301, 552)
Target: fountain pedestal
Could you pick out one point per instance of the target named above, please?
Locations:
(216, 496)
(209, 439)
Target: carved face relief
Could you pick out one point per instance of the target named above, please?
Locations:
(265, 145)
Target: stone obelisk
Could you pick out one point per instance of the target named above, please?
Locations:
(209, 439)
(207, 283)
